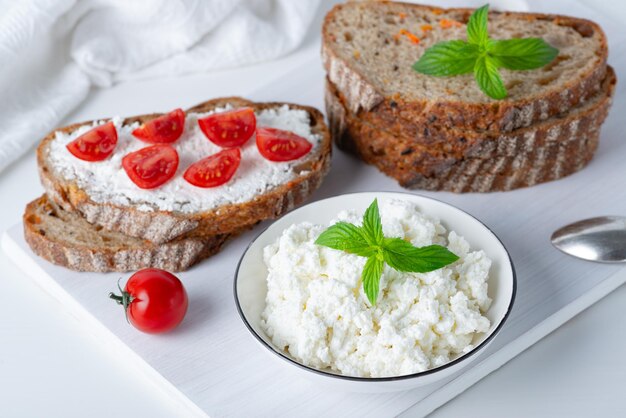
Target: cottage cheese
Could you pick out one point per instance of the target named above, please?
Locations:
(107, 181)
(316, 309)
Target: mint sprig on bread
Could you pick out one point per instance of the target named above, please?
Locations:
(485, 56)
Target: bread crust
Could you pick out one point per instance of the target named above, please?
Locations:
(497, 115)
(176, 255)
(546, 151)
(163, 226)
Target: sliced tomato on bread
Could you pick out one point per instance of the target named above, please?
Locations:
(229, 129)
(163, 129)
(215, 169)
(279, 145)
(152, 166)
(96, 144)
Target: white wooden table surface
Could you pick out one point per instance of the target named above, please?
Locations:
(48, 369)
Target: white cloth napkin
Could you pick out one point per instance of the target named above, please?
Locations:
(53, 51)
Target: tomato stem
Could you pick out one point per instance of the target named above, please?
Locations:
(125, 300)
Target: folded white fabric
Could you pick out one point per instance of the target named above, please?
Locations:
(52, 51)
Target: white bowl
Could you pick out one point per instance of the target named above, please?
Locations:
(250, 286)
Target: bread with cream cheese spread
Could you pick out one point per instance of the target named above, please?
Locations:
(161, 226)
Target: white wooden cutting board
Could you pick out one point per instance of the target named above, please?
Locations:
(211, 365)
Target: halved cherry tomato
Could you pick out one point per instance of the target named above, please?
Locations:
(229, 129)
(154, 300)
(214, 170)
(278, 145)
(162, 130)
(96, 144)
(152, 166)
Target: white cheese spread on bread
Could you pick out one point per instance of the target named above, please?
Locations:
(107, 182)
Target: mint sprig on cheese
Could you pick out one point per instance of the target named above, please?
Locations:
(368, 241)
(485, 56)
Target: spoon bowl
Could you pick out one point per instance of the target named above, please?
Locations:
(601, 239)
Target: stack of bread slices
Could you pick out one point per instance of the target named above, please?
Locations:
(72, 228)
(443, 133)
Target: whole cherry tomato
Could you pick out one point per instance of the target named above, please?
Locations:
(154, 300)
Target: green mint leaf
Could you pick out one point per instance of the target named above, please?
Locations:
(371, 277)
(372, 226)
(477, 33)
(369, 241)
(346, 237)
(522, 54)
(447, 58)
(403, 256)
(488, 78)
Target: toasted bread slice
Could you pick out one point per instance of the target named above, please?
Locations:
(67, 239)
(481, 162)
(369, 59)
(146, 217)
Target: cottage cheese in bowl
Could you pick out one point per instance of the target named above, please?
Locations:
(305, 304)
(317, 312)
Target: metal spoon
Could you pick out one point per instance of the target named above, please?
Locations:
(600, 239)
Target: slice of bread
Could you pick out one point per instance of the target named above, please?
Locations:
(460, 143)
(147, 221)
(501, 173)
(481, 162)
(67, 239)
(369, 61)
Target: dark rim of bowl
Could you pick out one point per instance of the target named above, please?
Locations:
(457, 360)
